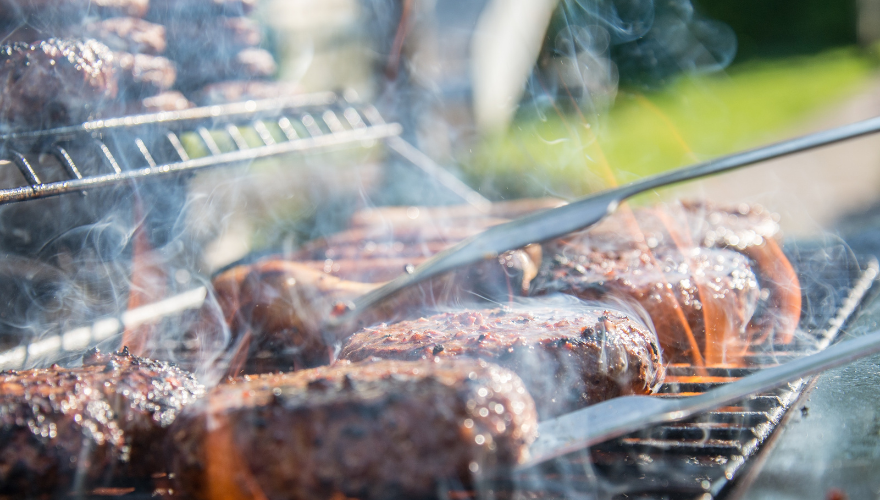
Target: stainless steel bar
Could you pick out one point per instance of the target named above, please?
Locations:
(446, 179)
(226, 112)
(299, 145)
(65, 159)
(177, 145)
(25, 167)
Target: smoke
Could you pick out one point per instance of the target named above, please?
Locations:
(594, 46)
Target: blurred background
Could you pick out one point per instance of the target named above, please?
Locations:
(563, 98)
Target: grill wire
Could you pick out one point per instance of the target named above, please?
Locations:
(700, 458)
(694, 459)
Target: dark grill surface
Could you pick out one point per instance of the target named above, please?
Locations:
(701, 457)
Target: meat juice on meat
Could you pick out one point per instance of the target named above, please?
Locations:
(568, 354)
(80, 428)
(386, 429)
(700, 290)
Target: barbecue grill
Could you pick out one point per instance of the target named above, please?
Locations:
(699, 458)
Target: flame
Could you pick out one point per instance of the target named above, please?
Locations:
(633, 228)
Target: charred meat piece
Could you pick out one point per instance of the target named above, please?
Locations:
(568, 354)
(276, 309)
(125, 34)
(373, 253)
(683, 294)
(70, 11)
(55, 82)
(87, 425)
(753, 231)
(365, 430)
(749, 230)
(142, 75)
(244, 90)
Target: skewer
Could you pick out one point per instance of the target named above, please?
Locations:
(584, 213)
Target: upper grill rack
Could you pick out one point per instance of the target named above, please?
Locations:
(116, 151)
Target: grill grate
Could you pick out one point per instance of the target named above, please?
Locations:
(699, 458)
(113, 152)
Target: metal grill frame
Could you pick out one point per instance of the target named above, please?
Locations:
(328, 121)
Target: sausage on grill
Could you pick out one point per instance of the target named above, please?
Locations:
(708, 266)
(387, 429)
(568, 354)
(87, 425)
(669, 286)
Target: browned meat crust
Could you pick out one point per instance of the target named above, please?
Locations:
(88, 424)
(616, 257)
(668, 286)
(568, 355)
(125, 34)
(54, 82)
(375, 430)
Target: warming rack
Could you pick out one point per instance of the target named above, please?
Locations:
(117, 151)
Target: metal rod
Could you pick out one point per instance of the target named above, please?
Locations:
(300, 145)
(415, 156)
(585, 212)
(621, 416)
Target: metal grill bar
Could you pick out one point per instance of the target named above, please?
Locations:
(146, 135)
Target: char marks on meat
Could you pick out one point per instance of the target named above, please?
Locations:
(568, 355)
(55, 82)
(91, 424)
(367, 430)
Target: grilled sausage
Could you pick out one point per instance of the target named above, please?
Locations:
(367, 430)
(86, 426)
(568, 354)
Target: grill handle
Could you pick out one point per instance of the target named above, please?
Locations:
(584, 213)
(620, 416)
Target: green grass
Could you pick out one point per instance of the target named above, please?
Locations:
(695, 118)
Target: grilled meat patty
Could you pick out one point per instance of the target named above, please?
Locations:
(568, 354)
(60, 427)
(669, 286)
(690, 266)
(368, 430)
(54, 82)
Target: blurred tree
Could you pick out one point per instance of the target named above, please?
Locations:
(775, 28)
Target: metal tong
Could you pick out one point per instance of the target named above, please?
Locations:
(583, 213)
(617, 417)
